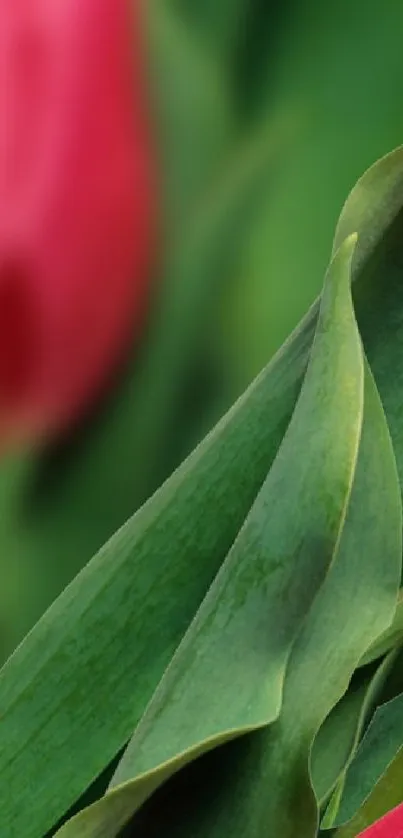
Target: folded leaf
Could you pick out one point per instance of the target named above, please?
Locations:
(339, 736)
(381, 745)
(267, 784)
(88, 669)
(243, 633)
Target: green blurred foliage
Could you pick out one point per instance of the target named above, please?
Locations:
(339, 67)
(221, 73)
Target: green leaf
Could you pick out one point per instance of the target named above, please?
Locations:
(247, 624)
(386, 794)
(335, 740)
(86, 672)
(90, 653)
(73, 629)
(339, 736)
(270, 784)
(376, 686)
(382, 744)
(391, 638)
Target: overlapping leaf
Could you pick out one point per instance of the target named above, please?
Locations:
(386, 795)
(379, 755)
(339, 737)
(269, 785)
(241, 638)
(86, 672)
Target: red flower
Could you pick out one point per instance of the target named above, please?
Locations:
(391, 826)
(76, 203)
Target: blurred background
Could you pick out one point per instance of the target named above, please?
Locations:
(264, 115)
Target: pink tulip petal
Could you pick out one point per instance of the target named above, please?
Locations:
(76, 202)
(390, 826)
